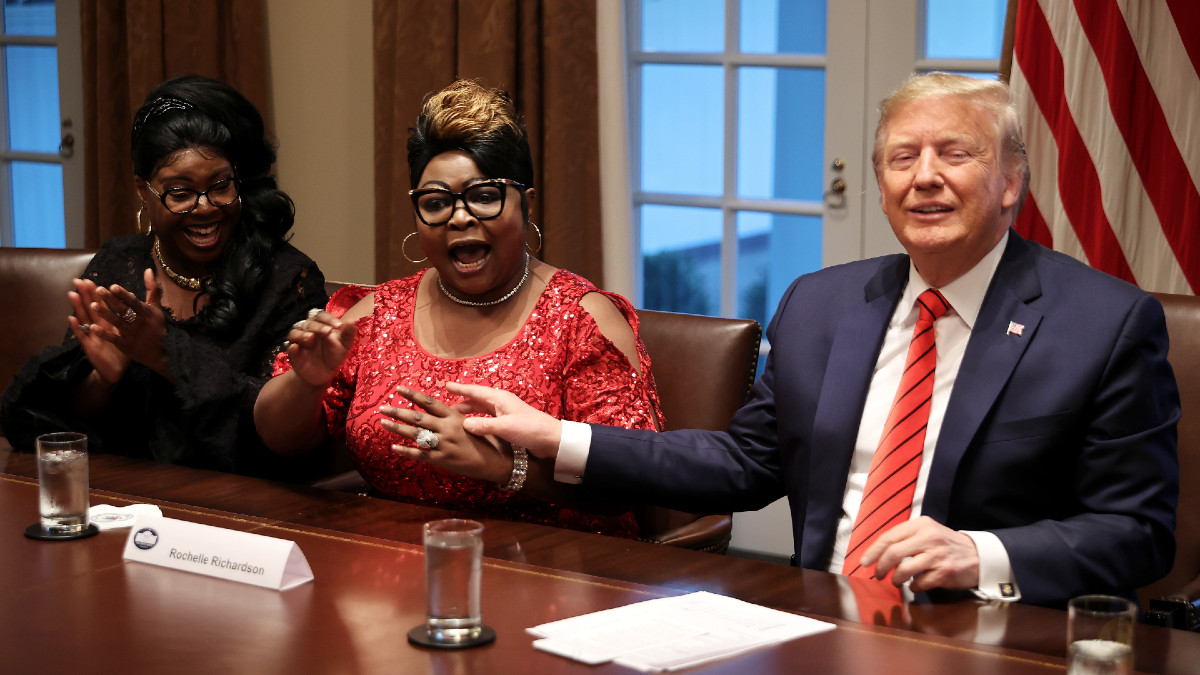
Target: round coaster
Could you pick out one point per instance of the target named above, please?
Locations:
(420, 636)
(35, 531)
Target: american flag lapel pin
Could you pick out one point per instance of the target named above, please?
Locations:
(1015, 328)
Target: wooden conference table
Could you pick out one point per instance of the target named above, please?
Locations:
(77, 607)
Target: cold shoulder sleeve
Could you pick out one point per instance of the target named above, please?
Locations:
(602, 387)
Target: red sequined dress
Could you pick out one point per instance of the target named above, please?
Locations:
(558, 362)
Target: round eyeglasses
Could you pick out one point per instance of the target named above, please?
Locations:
(483, 200)
(184, 200)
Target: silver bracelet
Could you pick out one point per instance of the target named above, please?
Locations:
(520, 469)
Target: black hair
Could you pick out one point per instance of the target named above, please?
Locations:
(194, 112)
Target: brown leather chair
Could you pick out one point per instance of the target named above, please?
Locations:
(704, 367)
(35, 283)
(1183, 327)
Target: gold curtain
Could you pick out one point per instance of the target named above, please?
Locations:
(131, 46)
(544, 53)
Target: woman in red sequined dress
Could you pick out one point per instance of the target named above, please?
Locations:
(486, 311)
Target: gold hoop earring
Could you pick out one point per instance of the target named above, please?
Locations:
(404, 251)
(149, 228)
(537, 229)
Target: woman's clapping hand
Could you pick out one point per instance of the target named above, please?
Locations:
(115, 328)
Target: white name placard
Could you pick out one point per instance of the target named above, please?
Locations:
(218, 552)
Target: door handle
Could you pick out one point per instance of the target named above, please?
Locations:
(835, 196)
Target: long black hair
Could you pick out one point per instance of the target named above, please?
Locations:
(199, 113)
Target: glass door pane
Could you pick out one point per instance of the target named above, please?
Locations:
(964, 30)
(783, 26)
(681, 259)
(29, 17)
(32, 77)
(37, 189)
(682, 120)
(781, 133)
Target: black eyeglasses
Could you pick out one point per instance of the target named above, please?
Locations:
(483, 200)
(184, 200)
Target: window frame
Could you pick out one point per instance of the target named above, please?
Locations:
(730, 60)
(871, 232)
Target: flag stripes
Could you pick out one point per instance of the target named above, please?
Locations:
(1109, 90)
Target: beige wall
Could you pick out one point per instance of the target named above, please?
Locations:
(320, 59)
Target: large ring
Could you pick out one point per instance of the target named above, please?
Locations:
(129, 316)
(426, 439)
(86, 328)
(312, 313)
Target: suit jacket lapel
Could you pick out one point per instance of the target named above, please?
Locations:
(990, 358)
(852, 356)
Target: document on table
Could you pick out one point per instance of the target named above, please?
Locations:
(672, 633)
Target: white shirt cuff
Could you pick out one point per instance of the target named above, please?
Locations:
(573, 448)
(996, 580)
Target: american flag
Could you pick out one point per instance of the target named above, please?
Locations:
(1110, 96)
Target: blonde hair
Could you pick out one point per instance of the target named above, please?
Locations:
(990, 95)
(466, 108)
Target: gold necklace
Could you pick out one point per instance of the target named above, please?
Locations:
(190, 283)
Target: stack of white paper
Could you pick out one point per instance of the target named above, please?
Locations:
(672, 633)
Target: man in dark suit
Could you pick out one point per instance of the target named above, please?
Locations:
(1047, 464)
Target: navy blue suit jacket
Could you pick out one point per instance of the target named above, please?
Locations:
(1060, 440)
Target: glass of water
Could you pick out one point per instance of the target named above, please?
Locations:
(1100, 635)
(62, 487)
(453, 571)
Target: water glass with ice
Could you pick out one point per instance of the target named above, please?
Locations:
(63, 482)
(1100, 635)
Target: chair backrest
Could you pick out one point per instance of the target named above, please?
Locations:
(704, 367)
(1183, 328)
(35, 283)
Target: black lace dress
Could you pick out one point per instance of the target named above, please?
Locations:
(205, 418)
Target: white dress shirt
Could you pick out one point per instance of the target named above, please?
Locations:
(952, 332)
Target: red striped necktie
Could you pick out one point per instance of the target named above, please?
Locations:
(892, 480)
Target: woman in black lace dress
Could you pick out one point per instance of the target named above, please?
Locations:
(175, 328)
